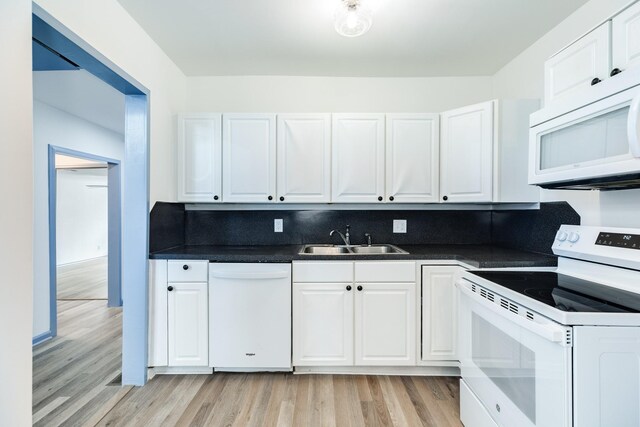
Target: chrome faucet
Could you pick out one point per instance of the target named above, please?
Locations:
(368, 237)
(345, 237)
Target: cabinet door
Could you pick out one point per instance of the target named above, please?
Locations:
(199, 158)
(322, 324)
(304, 158)
(412, 147)
(626, 38)
(358, 158)
(188, 324)
(439, 313)
(571, 71)
(385, 324)
(466, 158)
(249, 158)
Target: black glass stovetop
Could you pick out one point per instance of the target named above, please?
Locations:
(564, 292)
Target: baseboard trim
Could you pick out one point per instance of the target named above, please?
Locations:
(39, 339)
(426, 371)
(185, 370)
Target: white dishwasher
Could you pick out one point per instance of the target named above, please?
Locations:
(250, 317)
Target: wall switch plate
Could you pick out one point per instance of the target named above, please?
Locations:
(399, 225)
(277, 225)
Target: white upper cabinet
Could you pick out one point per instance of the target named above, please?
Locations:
(199, 158)
(249, 158)
(304, 158)
(466, 154)
(626, 39)
(358, 158)
(582, 64)
(412, 162)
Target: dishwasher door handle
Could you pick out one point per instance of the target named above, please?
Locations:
(249, 275)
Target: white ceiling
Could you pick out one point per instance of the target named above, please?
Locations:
(296, 37)
(82, 94)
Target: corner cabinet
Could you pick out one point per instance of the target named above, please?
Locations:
(412, 158)
(439, 313)
(466, 154)
(358, 158)
(249, 158)
(200, 158)
(304, 158)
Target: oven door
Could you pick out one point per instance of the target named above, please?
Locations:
(517, 365)
(596, 141)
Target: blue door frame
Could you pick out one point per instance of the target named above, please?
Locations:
(135, 184)
(114, 231)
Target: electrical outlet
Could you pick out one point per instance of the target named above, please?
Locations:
(399, 225)
(277, 225)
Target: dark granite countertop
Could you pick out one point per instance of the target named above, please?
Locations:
(481, 256)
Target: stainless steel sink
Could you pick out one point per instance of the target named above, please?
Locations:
(378, 249)
(351, 250)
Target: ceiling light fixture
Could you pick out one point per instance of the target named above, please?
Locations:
(353, 19)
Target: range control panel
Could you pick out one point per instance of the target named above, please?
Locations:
(604, 245)
(619, 240)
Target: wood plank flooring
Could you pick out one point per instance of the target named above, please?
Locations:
(226, 399)
(72, 373)
(83, 280)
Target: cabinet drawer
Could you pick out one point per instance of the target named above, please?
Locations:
(187, 271)
(394, 271)
(323, 272)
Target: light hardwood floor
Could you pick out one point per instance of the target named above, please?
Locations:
(83, 280)
(72, 373)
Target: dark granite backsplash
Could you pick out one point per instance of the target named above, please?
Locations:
(531, 230)
(256, 227)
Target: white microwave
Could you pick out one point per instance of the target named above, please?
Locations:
(593, 146)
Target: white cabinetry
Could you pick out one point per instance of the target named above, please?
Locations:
(412, 158)
(484, 153)
(342, 318)
(188, 331)
(249, 158)
(626, 38)
(178, 313)
(304, 158)
(358, 158)
(574, 69)
(466, 151)
(439, 312)
(199, 158)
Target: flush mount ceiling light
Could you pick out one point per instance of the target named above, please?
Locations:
(353, 19)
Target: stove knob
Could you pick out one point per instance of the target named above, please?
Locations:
(562, 236)
(573, 237)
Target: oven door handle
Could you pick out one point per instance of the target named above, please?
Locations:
(549, 331)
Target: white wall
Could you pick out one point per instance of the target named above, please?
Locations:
(55, 127)
(16, 226)
(523, 77)
(81, 215)
(334, 94)
(113, 34)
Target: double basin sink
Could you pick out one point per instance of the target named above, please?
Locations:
(351, 250)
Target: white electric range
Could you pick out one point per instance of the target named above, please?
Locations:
(555, 348)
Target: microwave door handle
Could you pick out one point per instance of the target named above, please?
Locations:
(633, 126)
(550, 332)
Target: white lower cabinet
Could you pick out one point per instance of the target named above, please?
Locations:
(385, 324)
(439, 313)
(188, 331)
(341, 320)
(323, 324)
(178, 314)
